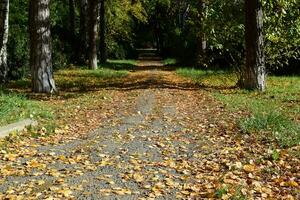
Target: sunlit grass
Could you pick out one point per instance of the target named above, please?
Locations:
(169, 61)
(209, 78)
(87, 80)
(15, 107)
(126, 62)
(102, 73)
(275, 113)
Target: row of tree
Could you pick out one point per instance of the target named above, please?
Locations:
(41, 40)
(210, 32)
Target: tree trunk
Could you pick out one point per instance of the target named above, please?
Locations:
(83, 31)
(72, 17)
(102, 46)
(93, 13)
(40, 47)
(72, 34)
(4, 13)
(254, 73)
(201, 40)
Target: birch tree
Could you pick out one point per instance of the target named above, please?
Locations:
(4, 13)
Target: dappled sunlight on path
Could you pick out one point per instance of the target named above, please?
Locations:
(148, 135)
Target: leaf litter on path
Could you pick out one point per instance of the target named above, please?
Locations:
(155, 143)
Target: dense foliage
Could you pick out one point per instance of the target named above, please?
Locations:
(171, 25)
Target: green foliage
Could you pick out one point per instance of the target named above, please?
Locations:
(282, 30)
(18, 43)
(14, 107)
(121, 18)
(174, 25)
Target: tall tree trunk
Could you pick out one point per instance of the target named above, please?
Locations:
(72, 34)
(254, 73)
(40, 47)
(4, 13)
(102, 46)
(72, 17)
(83, 31)
(201, 39)
(93, 13)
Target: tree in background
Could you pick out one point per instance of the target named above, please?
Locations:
(83, 30)
(40, 47)
(4, 13)
(93, 14)
(102, 46)
(254, 72)
(72, 33)
(201, 40)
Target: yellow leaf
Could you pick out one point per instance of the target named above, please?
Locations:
(291, 184)
(249, 168)
(33, 163)
(138, 177)
(41, 182)
(11, 157)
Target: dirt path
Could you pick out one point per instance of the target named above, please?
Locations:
(161, 143)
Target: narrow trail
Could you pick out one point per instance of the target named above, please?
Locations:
(162, 143)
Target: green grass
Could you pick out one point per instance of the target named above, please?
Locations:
(126, 62)
(273, 115)
(102, 73)
(170, 61)
(14, 107)
(209, 78)
(84, 80)
(120, 64)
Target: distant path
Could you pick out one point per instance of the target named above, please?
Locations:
(149, 58)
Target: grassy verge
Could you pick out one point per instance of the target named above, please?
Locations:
(83, 80)
(209, 78)
(120, 64)
(274, 115)
(102, 73)
(125, 62)
(72, 83)
(15, 107)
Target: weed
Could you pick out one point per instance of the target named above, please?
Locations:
(220, 192)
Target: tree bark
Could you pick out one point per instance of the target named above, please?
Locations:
(83, 31)
(93, 13)
(40, 47)
(254, 72)
(102, 45)
(72, 34)
(201, 39)
(72, 18)
(4, 14)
